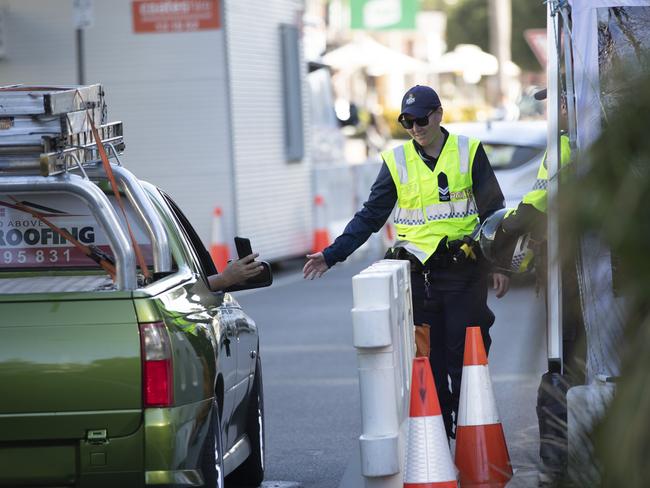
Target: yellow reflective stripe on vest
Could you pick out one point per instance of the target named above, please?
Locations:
(400, 164)
(537, 196)
(463, 154)
(409, 216)
(565, 157)
(540, 185)
(452, 210)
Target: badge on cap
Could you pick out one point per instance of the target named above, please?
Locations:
(410, 100)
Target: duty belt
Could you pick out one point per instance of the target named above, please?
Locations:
(439, 260)
(454, 252)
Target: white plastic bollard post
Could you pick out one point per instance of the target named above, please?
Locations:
(383, 335)
(402, 331)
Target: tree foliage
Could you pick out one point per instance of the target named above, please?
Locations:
(468, 23)
(612, 200)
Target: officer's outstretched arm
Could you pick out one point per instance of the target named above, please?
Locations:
(315, 266)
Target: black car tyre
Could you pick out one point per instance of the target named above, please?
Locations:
(251, 471)
(212, 456)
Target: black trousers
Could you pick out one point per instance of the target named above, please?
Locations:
(457, 299)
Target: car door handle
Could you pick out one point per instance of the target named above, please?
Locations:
(231, 330)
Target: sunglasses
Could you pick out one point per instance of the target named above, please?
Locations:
(420, 121)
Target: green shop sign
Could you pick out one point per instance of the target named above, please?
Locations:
(383, 14)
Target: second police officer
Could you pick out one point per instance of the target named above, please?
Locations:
(443, 186)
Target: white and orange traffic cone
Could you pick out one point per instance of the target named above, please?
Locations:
(321, 234)
(218, 248)
(481, 452)
(428, 459)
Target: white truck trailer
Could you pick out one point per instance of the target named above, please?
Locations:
(212, 93)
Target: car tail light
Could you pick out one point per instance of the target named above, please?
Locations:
(157, 371)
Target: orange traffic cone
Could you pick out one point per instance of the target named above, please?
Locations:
(428, 460)
(321, 235)
(481, 452)
(218, 247)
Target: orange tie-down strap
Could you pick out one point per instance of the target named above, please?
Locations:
(116, 192)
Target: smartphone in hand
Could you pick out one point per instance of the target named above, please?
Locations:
(243, 246)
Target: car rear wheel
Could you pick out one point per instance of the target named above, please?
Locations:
(212, 456)
(251, 471)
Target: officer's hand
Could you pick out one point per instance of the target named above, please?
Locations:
(315, 266)
(500, 283)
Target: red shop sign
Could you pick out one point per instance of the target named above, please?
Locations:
(175, 15)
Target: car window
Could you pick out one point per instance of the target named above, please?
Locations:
(205, 261)
(507, 156)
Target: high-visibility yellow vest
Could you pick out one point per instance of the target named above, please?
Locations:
(421, 219)
(537, 196)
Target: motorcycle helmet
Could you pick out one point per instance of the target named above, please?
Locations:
(510, 253)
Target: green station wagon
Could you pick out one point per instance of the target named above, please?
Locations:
(110, 375)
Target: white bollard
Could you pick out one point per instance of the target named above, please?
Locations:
(403, 329)
(383, 335)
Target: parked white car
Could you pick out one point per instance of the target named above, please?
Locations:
(515, 150)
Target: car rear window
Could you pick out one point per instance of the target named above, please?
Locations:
(27, 242)
(507, 156)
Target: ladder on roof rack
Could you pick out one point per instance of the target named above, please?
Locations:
(46, 130)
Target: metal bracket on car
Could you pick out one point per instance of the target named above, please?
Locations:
(162, 260)
(97, 437)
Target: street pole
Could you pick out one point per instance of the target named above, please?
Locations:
(81, 68)
(82, 18)
(500, 18)
(554, 264)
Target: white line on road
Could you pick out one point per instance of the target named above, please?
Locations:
(515, 378)
(281, 484)
(306, 382)
(306, 348)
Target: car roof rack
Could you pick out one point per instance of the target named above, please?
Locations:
(46, 130)
(47, 145)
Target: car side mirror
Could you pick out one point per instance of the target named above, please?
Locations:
(265, 278)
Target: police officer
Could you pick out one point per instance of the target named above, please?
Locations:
(530, 219)
(530, 215)
(443, 186)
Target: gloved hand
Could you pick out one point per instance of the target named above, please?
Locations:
(526, 218)
(504, 246)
